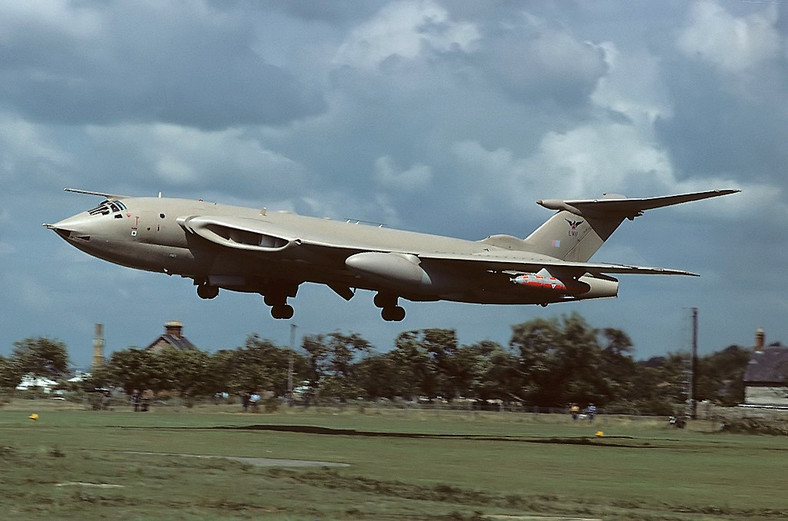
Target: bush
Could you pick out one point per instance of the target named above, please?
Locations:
(756, 426)
(272, 404)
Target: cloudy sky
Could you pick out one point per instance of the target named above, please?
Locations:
(450, 117)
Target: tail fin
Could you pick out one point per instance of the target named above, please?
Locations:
(581, 226)
(571, 237)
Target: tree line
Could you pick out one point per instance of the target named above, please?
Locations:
(549, 362)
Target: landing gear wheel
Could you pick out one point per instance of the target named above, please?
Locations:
(383, 300)
(282, 311)
(393, 314)
(207, 292)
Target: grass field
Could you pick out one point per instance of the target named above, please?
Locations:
(401, 465)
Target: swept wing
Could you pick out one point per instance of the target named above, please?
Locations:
(268, 239)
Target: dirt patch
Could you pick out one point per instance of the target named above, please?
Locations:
(256, 462)
(86, 484)
(605, 441)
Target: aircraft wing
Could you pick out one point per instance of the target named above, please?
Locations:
(507, 263)
(268, 238)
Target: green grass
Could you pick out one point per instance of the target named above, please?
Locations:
(76, 464)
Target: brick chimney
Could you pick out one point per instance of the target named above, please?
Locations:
(173, 328)
(760, 340)
(98, 347)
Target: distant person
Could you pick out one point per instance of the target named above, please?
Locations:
(574, 410)
(591, 411)
(245, 397)
(147, 396)
(136, 399)
(105, 401)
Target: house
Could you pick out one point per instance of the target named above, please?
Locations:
(766, 376)
(172, 337)
(31, 381)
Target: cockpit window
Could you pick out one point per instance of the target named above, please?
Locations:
(107, 207)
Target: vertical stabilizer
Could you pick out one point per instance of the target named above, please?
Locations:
(571, 237)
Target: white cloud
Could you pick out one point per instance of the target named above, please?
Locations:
(582, 162)
(54, 17)
(404, 29)
(533, 59)
(632, 86)
(601, 157)
(189, 158)
(389, 175)
(79, 63)
(29, 150)
(733, 44)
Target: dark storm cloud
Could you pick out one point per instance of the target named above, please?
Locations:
(744, 138)
(444, 116)
(142, 63)
(532, 60)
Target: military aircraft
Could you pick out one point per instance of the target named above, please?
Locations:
(273, 253)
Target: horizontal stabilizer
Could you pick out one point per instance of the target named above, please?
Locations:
(626, 207)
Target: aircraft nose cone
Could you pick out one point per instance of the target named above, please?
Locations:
(79, 226)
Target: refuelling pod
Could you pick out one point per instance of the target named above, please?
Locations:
(585, 287)
(390, 269)
(543, 281)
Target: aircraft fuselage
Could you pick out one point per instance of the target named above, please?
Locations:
(272, 253)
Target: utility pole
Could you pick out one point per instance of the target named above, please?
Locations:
(293, 328)
(693, 387)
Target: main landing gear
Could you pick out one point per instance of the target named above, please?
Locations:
(207, 291)
(389, 309)
(279, 306)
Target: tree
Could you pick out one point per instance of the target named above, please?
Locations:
(661, 384)
(618, 369)
(580, 363)
(330, 363)
(258, 365)
(487, 371)
(185, 371)
(536, 342)
(721, 376)
(131, 369)
(427, 361)
(377, 376)
(562, 361)
(10, 374)
(40, 356)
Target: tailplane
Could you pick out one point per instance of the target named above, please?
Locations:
(581, 226)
